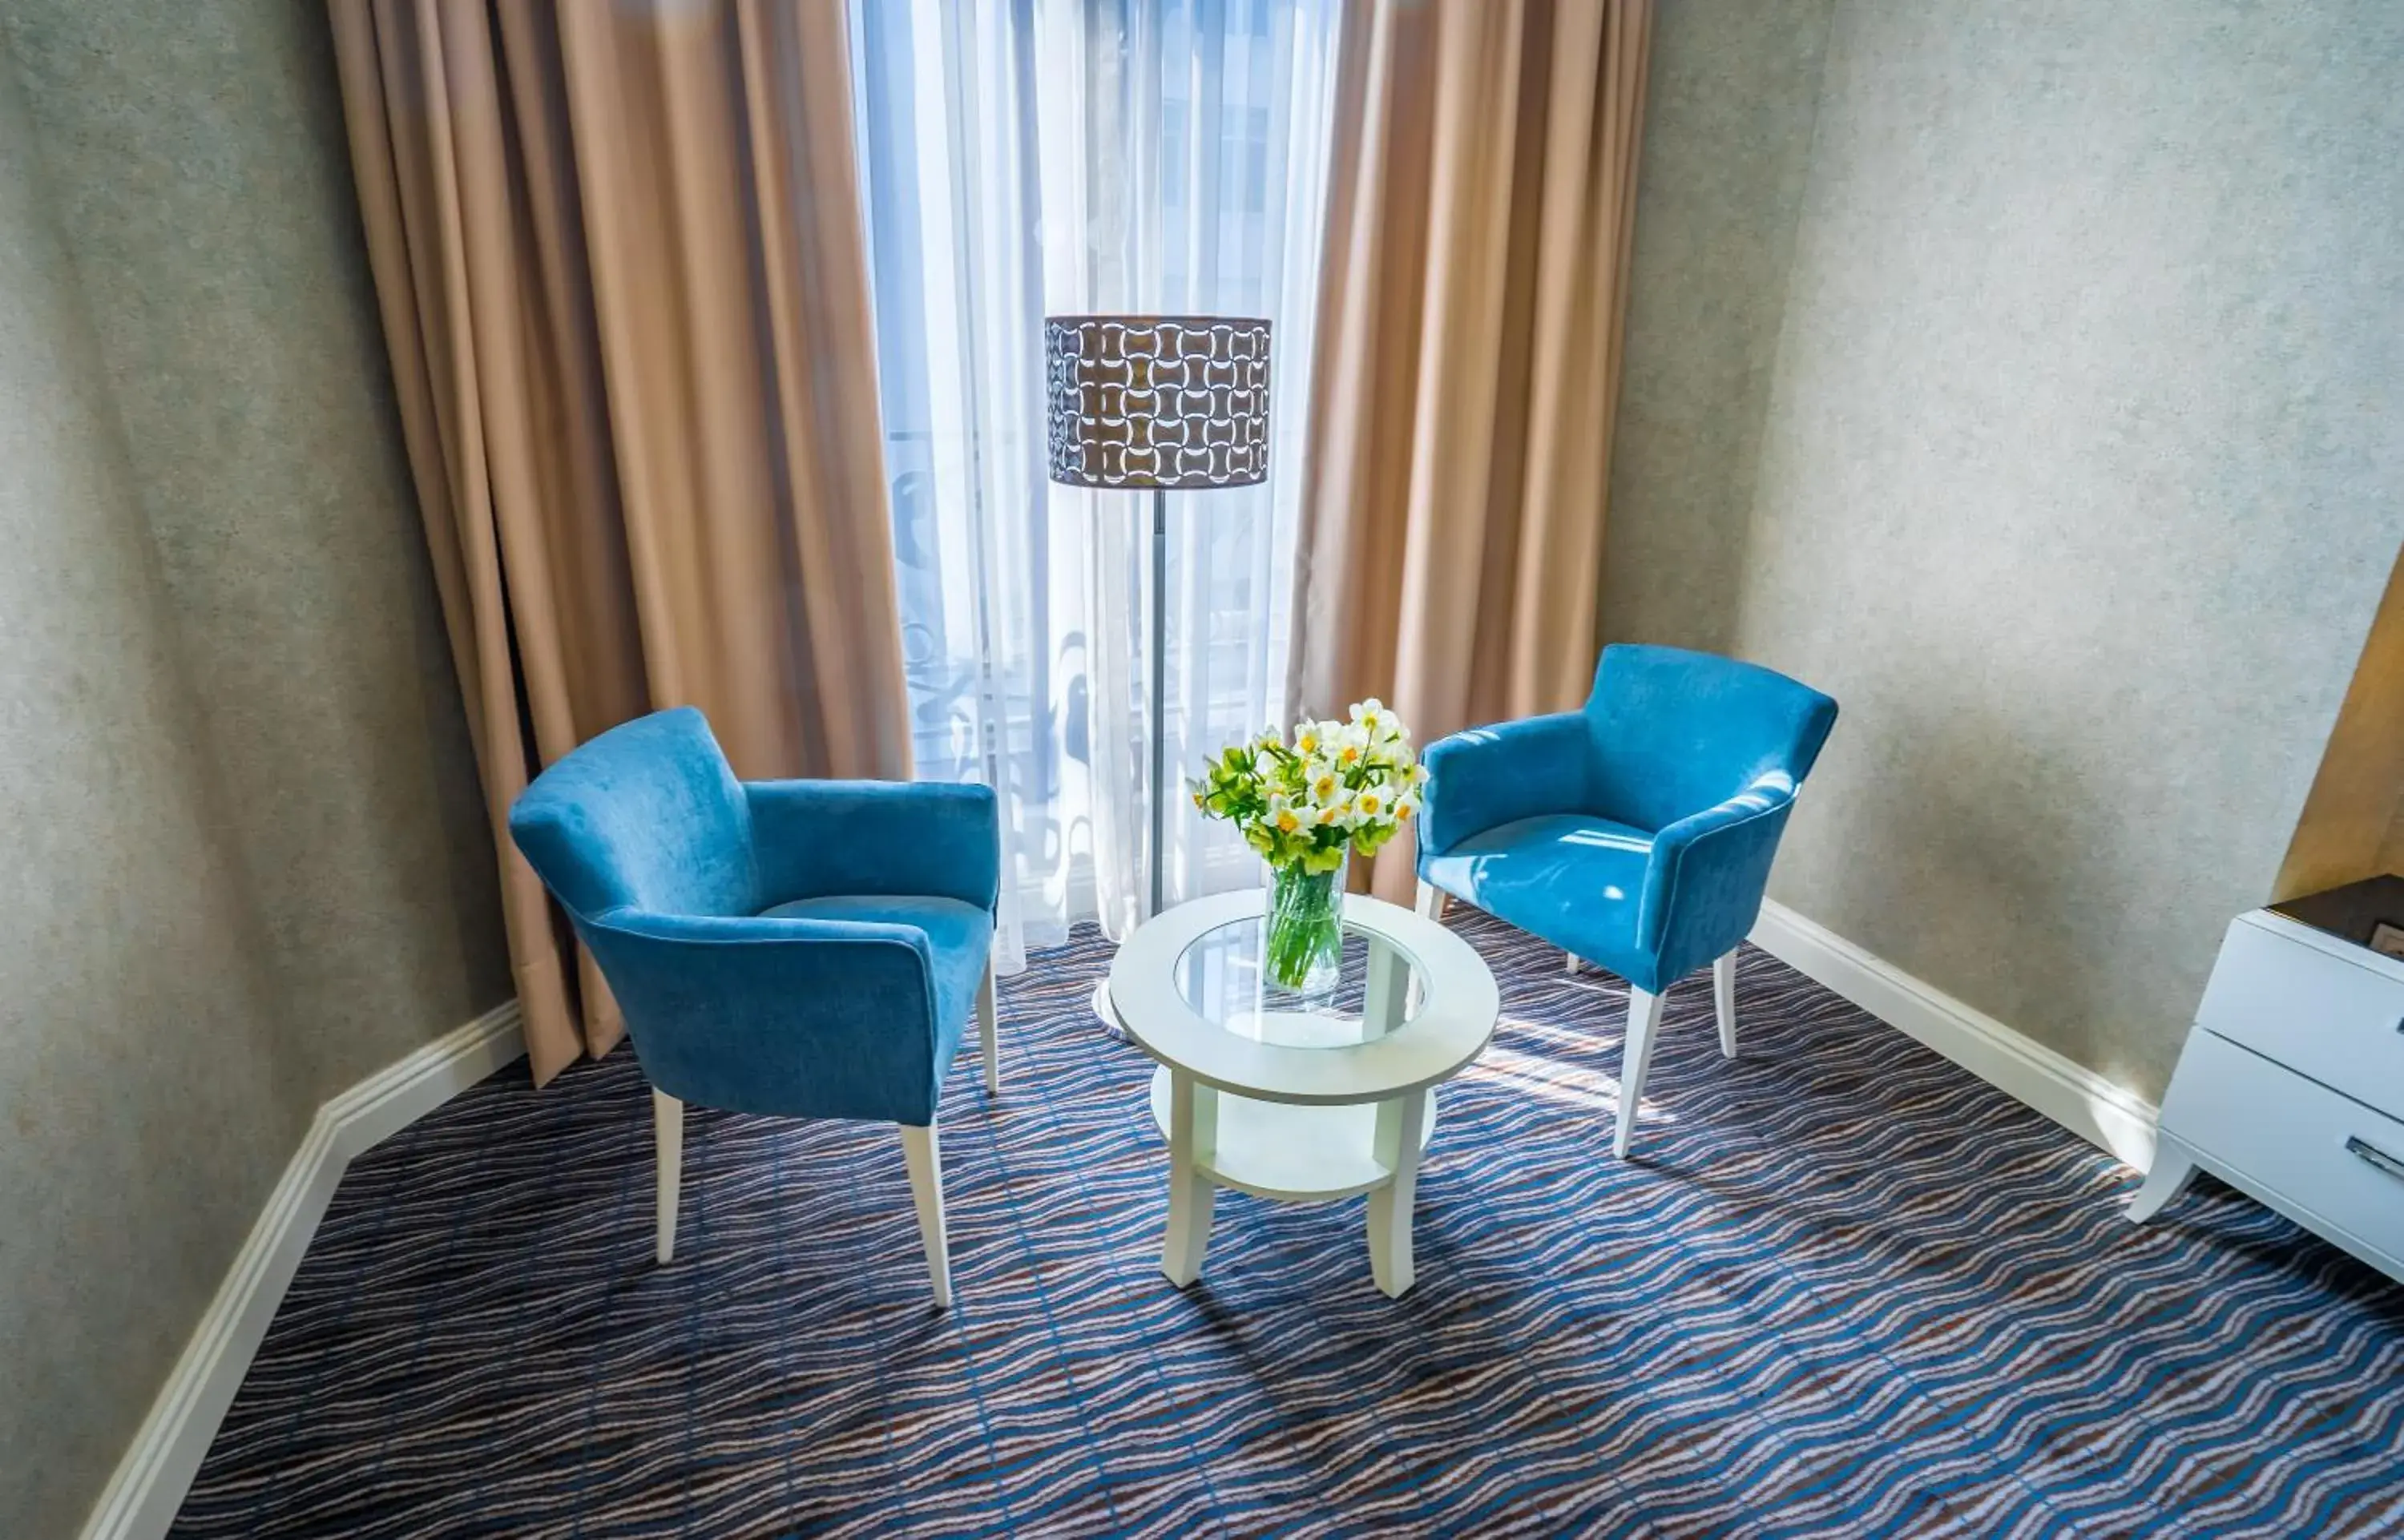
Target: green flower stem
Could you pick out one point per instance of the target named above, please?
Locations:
(1306, 926)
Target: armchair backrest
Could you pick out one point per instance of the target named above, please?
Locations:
(1673, 732)
(649, 816)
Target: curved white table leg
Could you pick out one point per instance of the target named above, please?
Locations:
(1387, 994)
(2173, 1171)
(1390, 1207)
(1427, 905)
(1193, 1129)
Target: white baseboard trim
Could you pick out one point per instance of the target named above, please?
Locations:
(2113, 1118)
(149, 1484)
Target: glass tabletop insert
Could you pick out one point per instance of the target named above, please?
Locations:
(1223, 974)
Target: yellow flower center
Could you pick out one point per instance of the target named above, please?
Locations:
(1369, 803)
(1287, 822)
(1349, 754)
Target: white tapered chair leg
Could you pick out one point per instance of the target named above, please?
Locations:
(1723, 995)
(924, 1154)
(986, 1022)
(1635, 1057)
(667, 1145)
(1569, 963)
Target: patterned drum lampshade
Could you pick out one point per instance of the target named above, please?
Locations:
(1158, 401)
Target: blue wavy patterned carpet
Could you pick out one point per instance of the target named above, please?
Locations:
(1843, 1289)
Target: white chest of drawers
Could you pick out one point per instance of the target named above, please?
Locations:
(2291, 1088)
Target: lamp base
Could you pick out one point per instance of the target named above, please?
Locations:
(1103, 1009)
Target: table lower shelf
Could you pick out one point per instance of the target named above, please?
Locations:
(1276, 1149)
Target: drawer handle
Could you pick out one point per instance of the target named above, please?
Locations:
(2373, 1156)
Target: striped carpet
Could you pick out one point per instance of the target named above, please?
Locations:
(1843, 1289)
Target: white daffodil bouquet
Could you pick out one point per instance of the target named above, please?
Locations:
(1337, 787)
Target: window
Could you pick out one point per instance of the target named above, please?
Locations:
(1058, 156)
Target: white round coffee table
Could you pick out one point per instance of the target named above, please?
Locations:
(1288, 1099)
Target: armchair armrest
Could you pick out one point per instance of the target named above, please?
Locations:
(815, 837)
(802, 1018)
(1489, 776)
(1703, 886)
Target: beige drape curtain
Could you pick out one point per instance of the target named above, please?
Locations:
(618, 257)
(1482, 197)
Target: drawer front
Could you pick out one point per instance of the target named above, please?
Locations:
(2340, 1023)
(2320, 1152)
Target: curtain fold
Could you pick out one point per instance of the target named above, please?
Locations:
(618, 253)
(1481, 202)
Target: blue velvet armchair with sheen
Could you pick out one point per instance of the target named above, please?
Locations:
(803, 949)
(1636, 834)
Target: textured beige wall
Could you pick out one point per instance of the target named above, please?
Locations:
(2354, 816)
(201, 181)
(235, 799)
(1728, 138)
(2080, 469)
(134, 1033)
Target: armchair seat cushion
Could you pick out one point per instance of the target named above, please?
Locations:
(1571, 879)
(960, 934)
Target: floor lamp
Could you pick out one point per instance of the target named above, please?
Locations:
(1158, 403)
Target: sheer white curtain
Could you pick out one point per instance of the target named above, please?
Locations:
(1031, 156)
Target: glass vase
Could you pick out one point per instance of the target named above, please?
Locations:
(1306, 930)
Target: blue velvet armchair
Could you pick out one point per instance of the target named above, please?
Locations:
(803, 949)
(1636, 834)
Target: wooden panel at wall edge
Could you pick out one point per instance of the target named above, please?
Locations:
(2353, 823)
